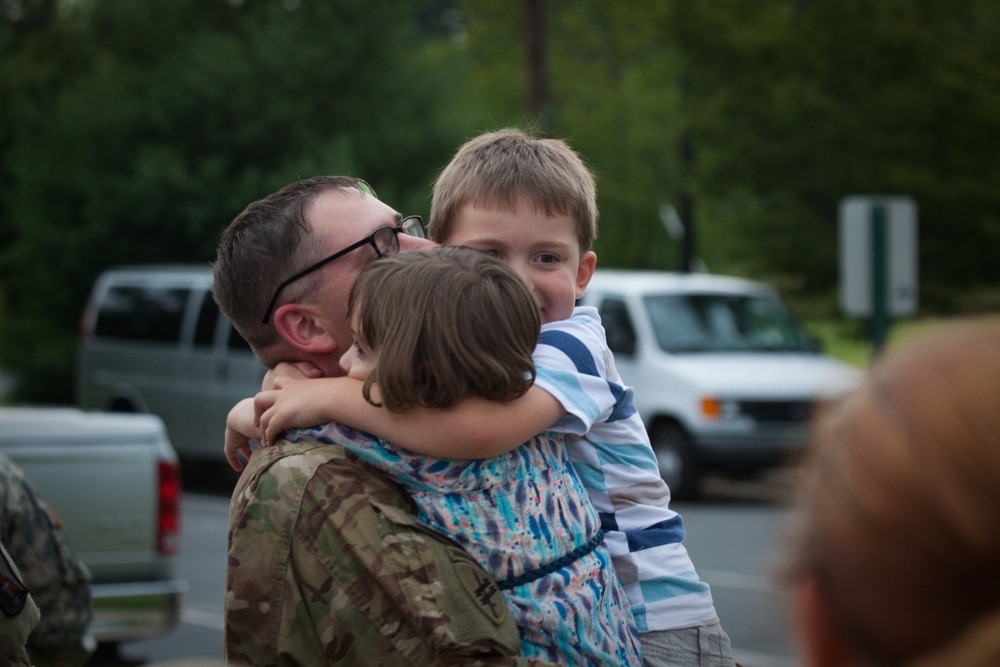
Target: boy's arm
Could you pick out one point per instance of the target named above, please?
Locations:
(472, 429)
(240, 427)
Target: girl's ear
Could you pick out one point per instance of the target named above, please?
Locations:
(301, 329)
(822, 641)
(585, 271)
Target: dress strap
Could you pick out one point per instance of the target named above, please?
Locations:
(557, 564)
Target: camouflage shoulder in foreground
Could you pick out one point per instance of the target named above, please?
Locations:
(18, 614)
(58, 581)
(328, 565)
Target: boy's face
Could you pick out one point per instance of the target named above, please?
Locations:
(543, 250)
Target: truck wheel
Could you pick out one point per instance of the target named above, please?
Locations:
(679, 466)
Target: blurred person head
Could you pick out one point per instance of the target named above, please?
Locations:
(897, 559)
(531, 202)
(436, 326)
(285, 266)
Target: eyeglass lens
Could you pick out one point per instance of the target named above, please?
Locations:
(413, 226)
(385, 241)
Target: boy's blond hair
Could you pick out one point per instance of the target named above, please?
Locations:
(494, 169)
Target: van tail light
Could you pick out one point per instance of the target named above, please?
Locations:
(169, 508)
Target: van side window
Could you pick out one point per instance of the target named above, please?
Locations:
(142, 313)
(617, 326)
(208, 319)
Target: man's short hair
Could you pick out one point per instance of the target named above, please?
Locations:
(494, 169)
(263, 246)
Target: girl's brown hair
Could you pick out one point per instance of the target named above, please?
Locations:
(900, 511)
(446, 323)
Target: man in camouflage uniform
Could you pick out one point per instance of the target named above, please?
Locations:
(57, 580)
(327, 562)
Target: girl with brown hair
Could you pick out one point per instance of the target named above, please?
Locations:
(434, 327)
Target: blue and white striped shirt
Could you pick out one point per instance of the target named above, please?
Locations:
(611, 452)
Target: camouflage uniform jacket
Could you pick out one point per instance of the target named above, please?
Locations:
(58, 581)
(328, 565)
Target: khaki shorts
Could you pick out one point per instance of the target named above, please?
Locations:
(704, 646)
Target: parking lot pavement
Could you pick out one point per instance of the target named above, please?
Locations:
(774, 486)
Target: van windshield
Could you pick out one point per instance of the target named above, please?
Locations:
(725, 323)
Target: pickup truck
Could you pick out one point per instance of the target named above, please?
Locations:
(114, 481)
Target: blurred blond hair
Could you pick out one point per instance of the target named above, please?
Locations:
(900, 505)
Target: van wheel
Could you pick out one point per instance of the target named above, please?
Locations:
(675, 455)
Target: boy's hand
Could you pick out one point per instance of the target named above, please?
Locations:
(291, 403)
(240, 428)
(298, 370)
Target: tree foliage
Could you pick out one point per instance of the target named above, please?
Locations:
(134, 131)
(801, 104)
(138, 130)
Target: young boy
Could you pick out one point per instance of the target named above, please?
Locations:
(532, 203)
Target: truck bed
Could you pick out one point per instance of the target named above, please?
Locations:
(114, 481)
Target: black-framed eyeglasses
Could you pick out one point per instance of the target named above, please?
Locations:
(385, 241)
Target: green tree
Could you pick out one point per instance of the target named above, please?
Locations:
(803, 103)
(171, 118)
(789, 106)
(134, 131)
(614, 97)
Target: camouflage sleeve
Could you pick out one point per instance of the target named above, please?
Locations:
(327, 565)
(58, 581)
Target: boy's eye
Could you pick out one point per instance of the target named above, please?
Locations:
(548, 258)
(492, 252)
(358, 350)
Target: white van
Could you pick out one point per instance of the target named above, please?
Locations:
(154, 340)
(724, 376)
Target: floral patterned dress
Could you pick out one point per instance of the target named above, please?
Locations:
(527, 520)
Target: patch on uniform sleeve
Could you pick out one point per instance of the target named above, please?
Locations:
(481, 588)
(13, 592)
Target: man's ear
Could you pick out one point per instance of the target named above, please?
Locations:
(585, 271)
(302, 329)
